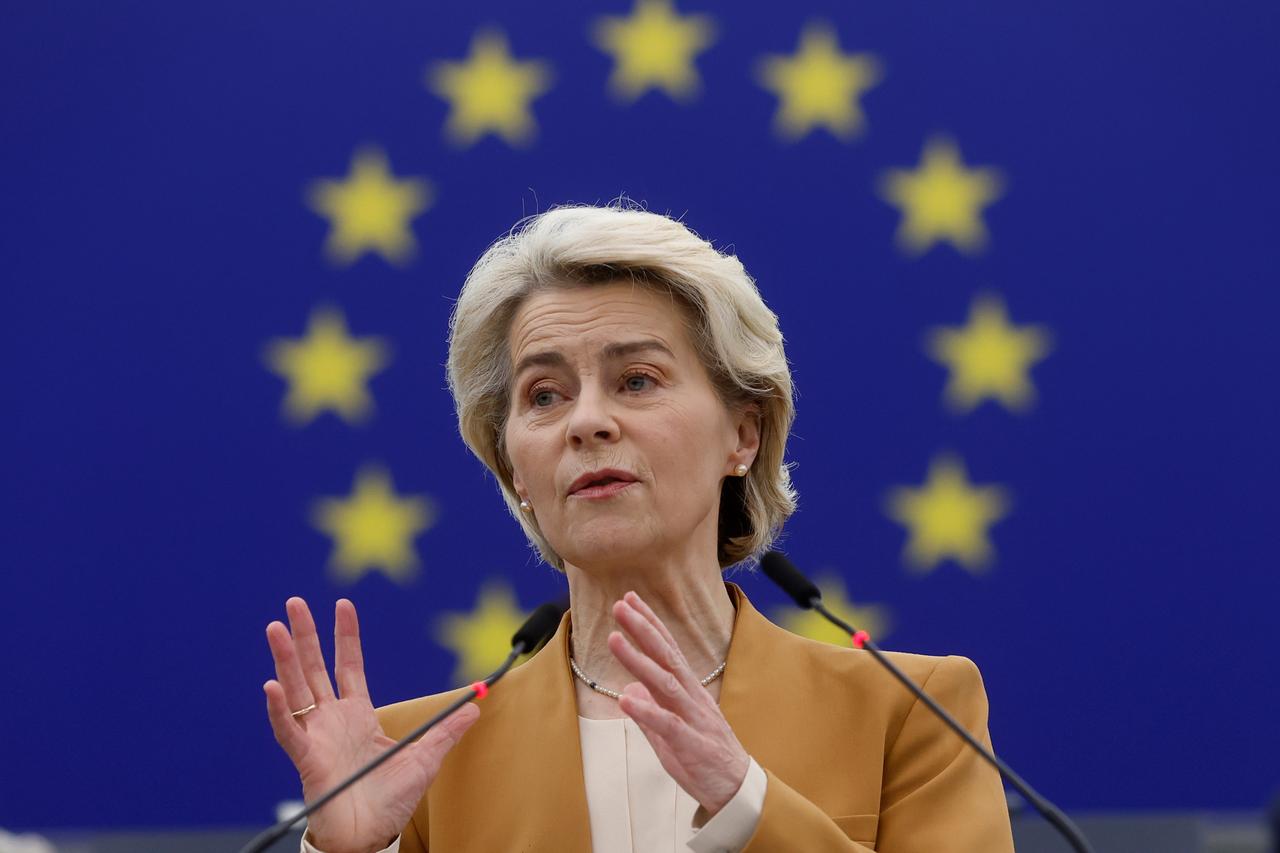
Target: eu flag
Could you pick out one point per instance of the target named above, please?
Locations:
(1024, 257)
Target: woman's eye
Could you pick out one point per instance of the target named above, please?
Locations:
(543, 397)
(638, 382)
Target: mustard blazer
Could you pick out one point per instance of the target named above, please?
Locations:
(854, 762)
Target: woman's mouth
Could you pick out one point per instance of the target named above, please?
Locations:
(601, 484)
(604, 490)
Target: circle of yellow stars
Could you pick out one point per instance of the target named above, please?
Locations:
(490, 92)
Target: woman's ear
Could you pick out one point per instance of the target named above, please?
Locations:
(504, 466)
(517, 482)
(749, 427)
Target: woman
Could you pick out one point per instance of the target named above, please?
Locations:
(628, 387)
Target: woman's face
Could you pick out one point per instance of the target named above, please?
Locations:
(615, 435)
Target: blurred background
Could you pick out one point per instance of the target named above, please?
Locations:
(1024, 256)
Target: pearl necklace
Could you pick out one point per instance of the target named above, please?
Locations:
(614, 694)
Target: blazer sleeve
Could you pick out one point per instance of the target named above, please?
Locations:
(937, 794)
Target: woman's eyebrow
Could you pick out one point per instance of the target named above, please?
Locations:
(622, 350)
(546, 358)
(612, 352)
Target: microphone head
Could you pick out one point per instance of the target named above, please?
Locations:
(783, 572)
(540, 625)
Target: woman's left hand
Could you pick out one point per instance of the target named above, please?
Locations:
(677, 714)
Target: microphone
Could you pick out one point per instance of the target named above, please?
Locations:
(540, 625)
(805, 593)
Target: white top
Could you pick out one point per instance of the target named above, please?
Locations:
(636, 807)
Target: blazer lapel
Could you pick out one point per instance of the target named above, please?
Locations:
(553, 814)
(516, 782)
(758, 695)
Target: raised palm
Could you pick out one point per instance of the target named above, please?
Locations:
(341, 734)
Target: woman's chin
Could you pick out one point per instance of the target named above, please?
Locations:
(608, 555)
(605, 542)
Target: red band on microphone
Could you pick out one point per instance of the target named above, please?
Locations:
(860, 639)
(481, 689)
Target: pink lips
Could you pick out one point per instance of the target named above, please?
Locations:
(601, 484)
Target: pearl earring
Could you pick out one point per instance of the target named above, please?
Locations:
(526, 507)
(740, 470)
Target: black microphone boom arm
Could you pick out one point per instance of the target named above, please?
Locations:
(781, 571)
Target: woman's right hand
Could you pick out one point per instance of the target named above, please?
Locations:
(341, 734)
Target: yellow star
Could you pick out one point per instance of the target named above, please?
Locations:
(326, 369)
(989, 358)
(948, 517)
(810, 623)
(819, 85)
(481, 640)
(374, 528)
(370, 210)
(654, 48)
(941, 200)
(489, 92)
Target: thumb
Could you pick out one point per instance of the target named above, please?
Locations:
(435, 744)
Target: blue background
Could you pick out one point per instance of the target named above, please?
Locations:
(156, 237)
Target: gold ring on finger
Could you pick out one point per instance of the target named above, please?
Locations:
(304, 711)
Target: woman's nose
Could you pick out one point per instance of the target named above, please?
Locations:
(591, 420)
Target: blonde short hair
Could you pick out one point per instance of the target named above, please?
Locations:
(734, 332)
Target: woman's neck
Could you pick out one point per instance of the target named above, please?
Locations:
(693, 603)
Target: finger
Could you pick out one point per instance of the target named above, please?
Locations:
(288, 671)
(663, 686)
(307, 644)
(289, 734)
(654, 720)
(633, 598)
(348, 660)
(688, 756)
(435, 744)
(651, 641)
